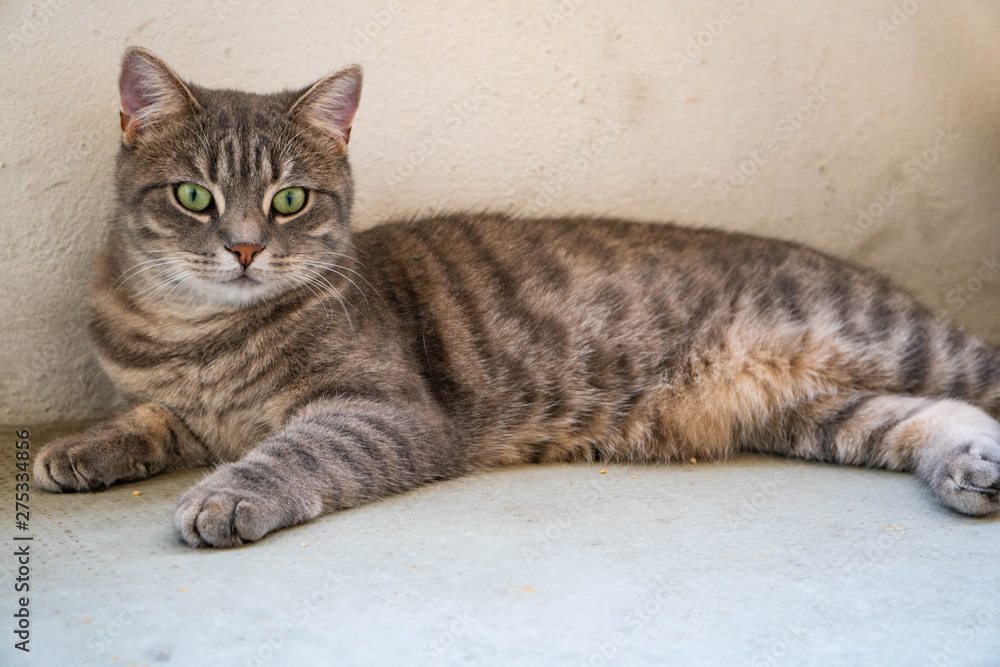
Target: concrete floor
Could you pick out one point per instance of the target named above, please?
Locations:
(758, 561)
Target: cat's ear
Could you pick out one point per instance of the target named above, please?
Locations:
(151, 94)
(329, 105)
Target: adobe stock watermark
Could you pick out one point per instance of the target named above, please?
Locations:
(554, 186)
(542, 540)
(297, 615)
(366, 31)
(454, 117)
(103, 638)
(84, 146)
(607, 479)
(704, 39)
(224, 8)
(564, 9)
(913, 169)
(899, 17)
(779, 647)
(871, 552)
(785, 127)
(32, 26)
(460, 625)
(962, 293)
(754, 503)
(632, 624)
(986, 618)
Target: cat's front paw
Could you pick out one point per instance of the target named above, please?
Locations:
(967, 478)
(230, 507)
(89, 461)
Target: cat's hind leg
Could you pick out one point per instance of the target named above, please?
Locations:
(952, 446)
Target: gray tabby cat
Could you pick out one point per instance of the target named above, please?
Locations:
(247, 326)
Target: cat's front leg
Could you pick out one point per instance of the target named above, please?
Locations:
(133, 445)
(333, 454)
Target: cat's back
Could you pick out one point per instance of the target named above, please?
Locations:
(602, 242)
(476, 257)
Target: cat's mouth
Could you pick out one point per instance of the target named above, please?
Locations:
(242, 280)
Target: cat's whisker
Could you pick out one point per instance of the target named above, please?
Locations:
(338, 254)
(330, 267)
(298, 286)
(321, 278)
(322, 293)
(171, 285)
(321, 298)
(353, 245)
(174, 276)
(343, 305)
(148, 261)
(156, 287)
(152, 290)
(124, 277)
(161, 263)
(344, 268)
(144, 297)
(191, 293)
(142, 272)
(139, 269)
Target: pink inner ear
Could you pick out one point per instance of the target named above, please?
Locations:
(333, 104)
(150, 94)
(132, 96)
(340, 108)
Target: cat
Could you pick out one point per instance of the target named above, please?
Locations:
(248, 327)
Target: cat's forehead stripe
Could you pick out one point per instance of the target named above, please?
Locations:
(261, 157)
(234, 152)
(224, 160)
(246, 157)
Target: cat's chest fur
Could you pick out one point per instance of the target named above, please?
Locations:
(230, 378)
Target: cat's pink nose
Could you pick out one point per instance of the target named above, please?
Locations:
(245, 252)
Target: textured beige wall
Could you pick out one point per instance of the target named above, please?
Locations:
(647, 109)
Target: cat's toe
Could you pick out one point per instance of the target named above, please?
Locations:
(205, 518)
(221, 517)
(967, 478)
(64, 466)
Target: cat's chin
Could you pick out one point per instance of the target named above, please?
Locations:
(240, 293)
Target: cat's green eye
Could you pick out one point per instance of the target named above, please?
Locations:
(289, 201)
(193, 197)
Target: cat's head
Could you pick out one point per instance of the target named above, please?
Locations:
(228, 197)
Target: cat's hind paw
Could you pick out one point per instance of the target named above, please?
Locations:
(966, 478)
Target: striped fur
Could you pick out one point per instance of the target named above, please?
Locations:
(426, 349)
